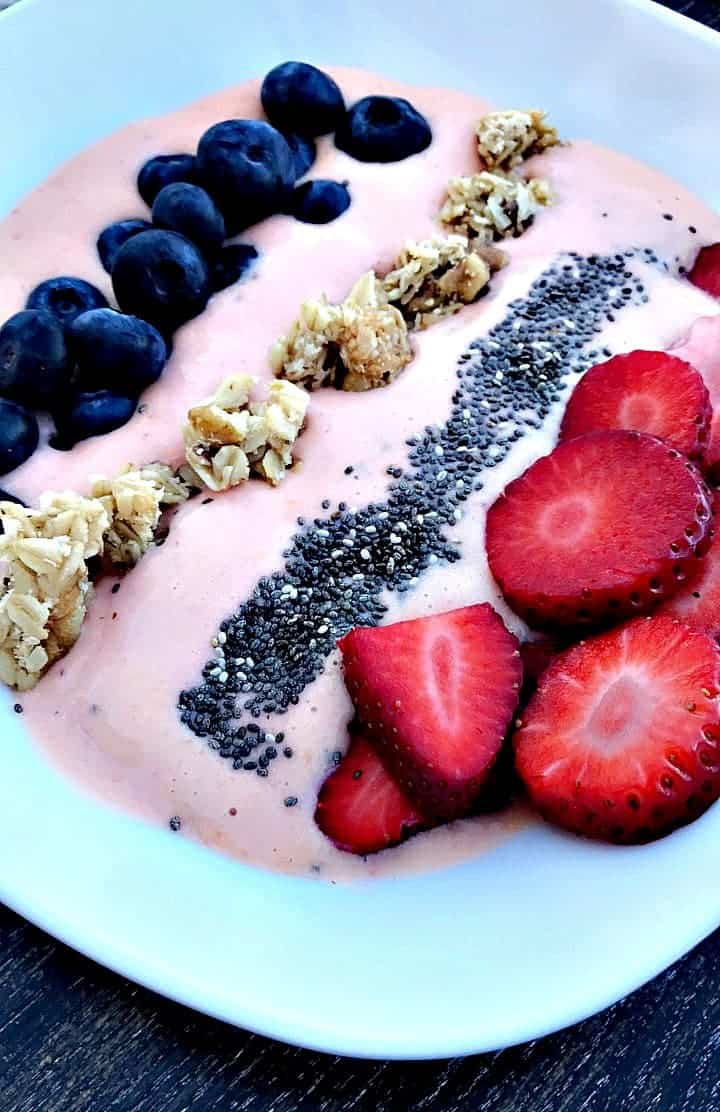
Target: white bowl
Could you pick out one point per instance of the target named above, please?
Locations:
(542, 931)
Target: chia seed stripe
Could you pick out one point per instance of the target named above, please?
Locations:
(337, 567)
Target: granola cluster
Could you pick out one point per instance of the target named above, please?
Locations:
(504, 139)
(435, 277)
(493, 206)
(46, 585)
(133, 501)
(228, 436)
(359, 344)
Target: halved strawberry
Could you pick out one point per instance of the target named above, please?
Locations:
(706, 270)
(436, 696)
(603, 527)
(360, 807)
(648, 391)
(701, 348)
(622, 738)
(697, 603)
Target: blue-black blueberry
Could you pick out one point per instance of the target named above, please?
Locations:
(231, 264)
(162, 277)
(383, 129)
(162, 170)
(248, 169)
(34, 365)
(66, 298)
(301, 98)
(112, 238)
(117, 352)
(91, 414)
(319, 201)
(188, 209)
(303, 150)
(19, 436)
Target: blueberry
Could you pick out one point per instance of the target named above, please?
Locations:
(319, 202)
(303, 152)
(91, 415)
(188, 209)
(114, 236)
(163, 170)
(19, 436)
(248, 168)
(230, 265)
(33, 358)
(162, 277)
(383, 129)
(66, 298)
(116, 352)
(299, 97)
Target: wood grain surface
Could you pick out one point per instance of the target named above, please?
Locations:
(76, 1038)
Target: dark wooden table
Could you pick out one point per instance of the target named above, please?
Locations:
(76, 1038)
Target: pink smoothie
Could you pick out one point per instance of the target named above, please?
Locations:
(107, 714)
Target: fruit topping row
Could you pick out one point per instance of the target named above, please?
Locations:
(608, 715)
(70, 354)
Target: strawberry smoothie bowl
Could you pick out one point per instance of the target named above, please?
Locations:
(343, 636)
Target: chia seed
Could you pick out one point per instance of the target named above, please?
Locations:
(291, 800)
(278, 640)
(175, 823)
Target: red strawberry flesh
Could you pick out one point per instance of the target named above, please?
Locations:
(648, 391)
(697, 603)
(604, 527)
(361, 808)
(436, 696)
(706, 270)
(621, 739)
(701, 348)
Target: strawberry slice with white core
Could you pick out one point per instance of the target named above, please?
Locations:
(621, 740)
(605, 526)
(436, 696)
(648, 391)
(361, 808)
(706, 270)
(701, 348)
(697, 603)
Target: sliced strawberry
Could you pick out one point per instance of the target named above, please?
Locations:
(648, 391)
(436, 696)
(603, 527)
(701, 348)
(706, 270)
(622, 737)
(360, 807)
(697, 603)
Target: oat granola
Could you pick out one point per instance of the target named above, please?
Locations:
(46, 584)
(436, 277)
(228, 436)
(504, 139)
(493, 206)
(358, 344)
(133, 501)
